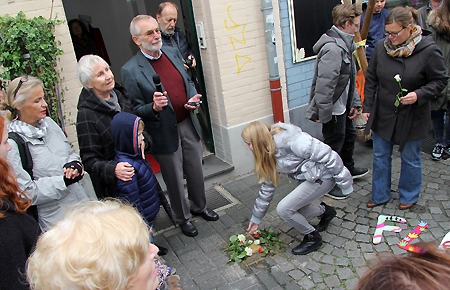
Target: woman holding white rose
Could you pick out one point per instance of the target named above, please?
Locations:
(405, 73)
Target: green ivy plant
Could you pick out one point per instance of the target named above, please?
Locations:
(28, 47)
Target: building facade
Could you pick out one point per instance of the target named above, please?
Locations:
(235, 62)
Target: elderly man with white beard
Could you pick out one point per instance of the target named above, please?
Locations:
(165, 97)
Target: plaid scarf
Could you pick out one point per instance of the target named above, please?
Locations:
(405, 49)
(27, 130)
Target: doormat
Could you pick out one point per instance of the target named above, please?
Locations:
(217, 199)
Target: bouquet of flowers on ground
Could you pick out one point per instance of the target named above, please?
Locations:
(263, 242)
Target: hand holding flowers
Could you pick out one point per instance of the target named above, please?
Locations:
(402, 90)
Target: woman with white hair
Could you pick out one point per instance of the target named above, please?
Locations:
(53, 182)
(99, 101)
(98, 245)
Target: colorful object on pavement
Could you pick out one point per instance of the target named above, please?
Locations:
(405, 243)
(381, 226)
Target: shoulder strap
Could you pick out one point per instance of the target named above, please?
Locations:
(24, 151)
(27, 164)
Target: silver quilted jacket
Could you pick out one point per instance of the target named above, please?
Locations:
(302, 157)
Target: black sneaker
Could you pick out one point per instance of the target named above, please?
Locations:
(447, 150)
(336, 193)
(358, 172)
(437, 152)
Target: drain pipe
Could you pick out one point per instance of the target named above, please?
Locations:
(274, 77)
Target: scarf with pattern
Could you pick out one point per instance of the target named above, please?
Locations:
(405, 49)
(27, 130)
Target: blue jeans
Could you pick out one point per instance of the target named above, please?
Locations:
(410, 173)
(440, 120)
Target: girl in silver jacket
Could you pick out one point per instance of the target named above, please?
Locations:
(285, 148)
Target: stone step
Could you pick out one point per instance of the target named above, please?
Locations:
(214, 170)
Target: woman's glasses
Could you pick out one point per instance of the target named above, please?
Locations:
(19, 85)
(393, 34)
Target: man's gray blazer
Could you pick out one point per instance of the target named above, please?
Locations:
(137, 77)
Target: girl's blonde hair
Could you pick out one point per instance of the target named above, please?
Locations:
(259, 135)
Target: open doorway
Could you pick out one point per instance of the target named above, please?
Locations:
(112, 19)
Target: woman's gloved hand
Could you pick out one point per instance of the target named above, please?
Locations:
(73, 172)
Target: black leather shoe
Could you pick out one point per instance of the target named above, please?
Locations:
(310, 243)
(207, 214)
(188, 229)
(162, 251)
(326, 218)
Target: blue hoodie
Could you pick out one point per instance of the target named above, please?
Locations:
(142, 190)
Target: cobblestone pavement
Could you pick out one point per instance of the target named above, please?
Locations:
(347, 251)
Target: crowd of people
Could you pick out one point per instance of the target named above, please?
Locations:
(62, 240)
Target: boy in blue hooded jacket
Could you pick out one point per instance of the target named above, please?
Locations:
(142, 190)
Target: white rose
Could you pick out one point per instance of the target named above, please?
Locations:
(241, 238)
(248, 251)
(397, 78)
(256, 242)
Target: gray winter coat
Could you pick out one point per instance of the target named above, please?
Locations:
(333, 69)
(48, 190)
(302, 157)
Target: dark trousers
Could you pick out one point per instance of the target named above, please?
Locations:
(340, 135)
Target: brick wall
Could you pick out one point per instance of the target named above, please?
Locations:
(236, 68)
(67, 62)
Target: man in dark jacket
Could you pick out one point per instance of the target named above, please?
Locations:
(334, 101)
(173, 36)
(166, 105)
(376, 29)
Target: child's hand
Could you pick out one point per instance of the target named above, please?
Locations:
(142, 147)
(252, 227)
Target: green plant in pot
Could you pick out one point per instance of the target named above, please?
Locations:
(28, 47)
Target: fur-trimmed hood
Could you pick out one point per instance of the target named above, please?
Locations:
(441, 27)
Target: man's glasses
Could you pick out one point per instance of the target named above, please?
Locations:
(151, 32)
(19, 85)
(393, 34)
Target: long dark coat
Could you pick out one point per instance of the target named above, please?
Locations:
(423, 72)
(95, 138)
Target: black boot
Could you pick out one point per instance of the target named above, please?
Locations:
(326, 218)
(310, 243)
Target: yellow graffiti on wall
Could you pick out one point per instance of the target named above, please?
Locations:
(241, 60)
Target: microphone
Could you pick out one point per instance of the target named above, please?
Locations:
(157, 81)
